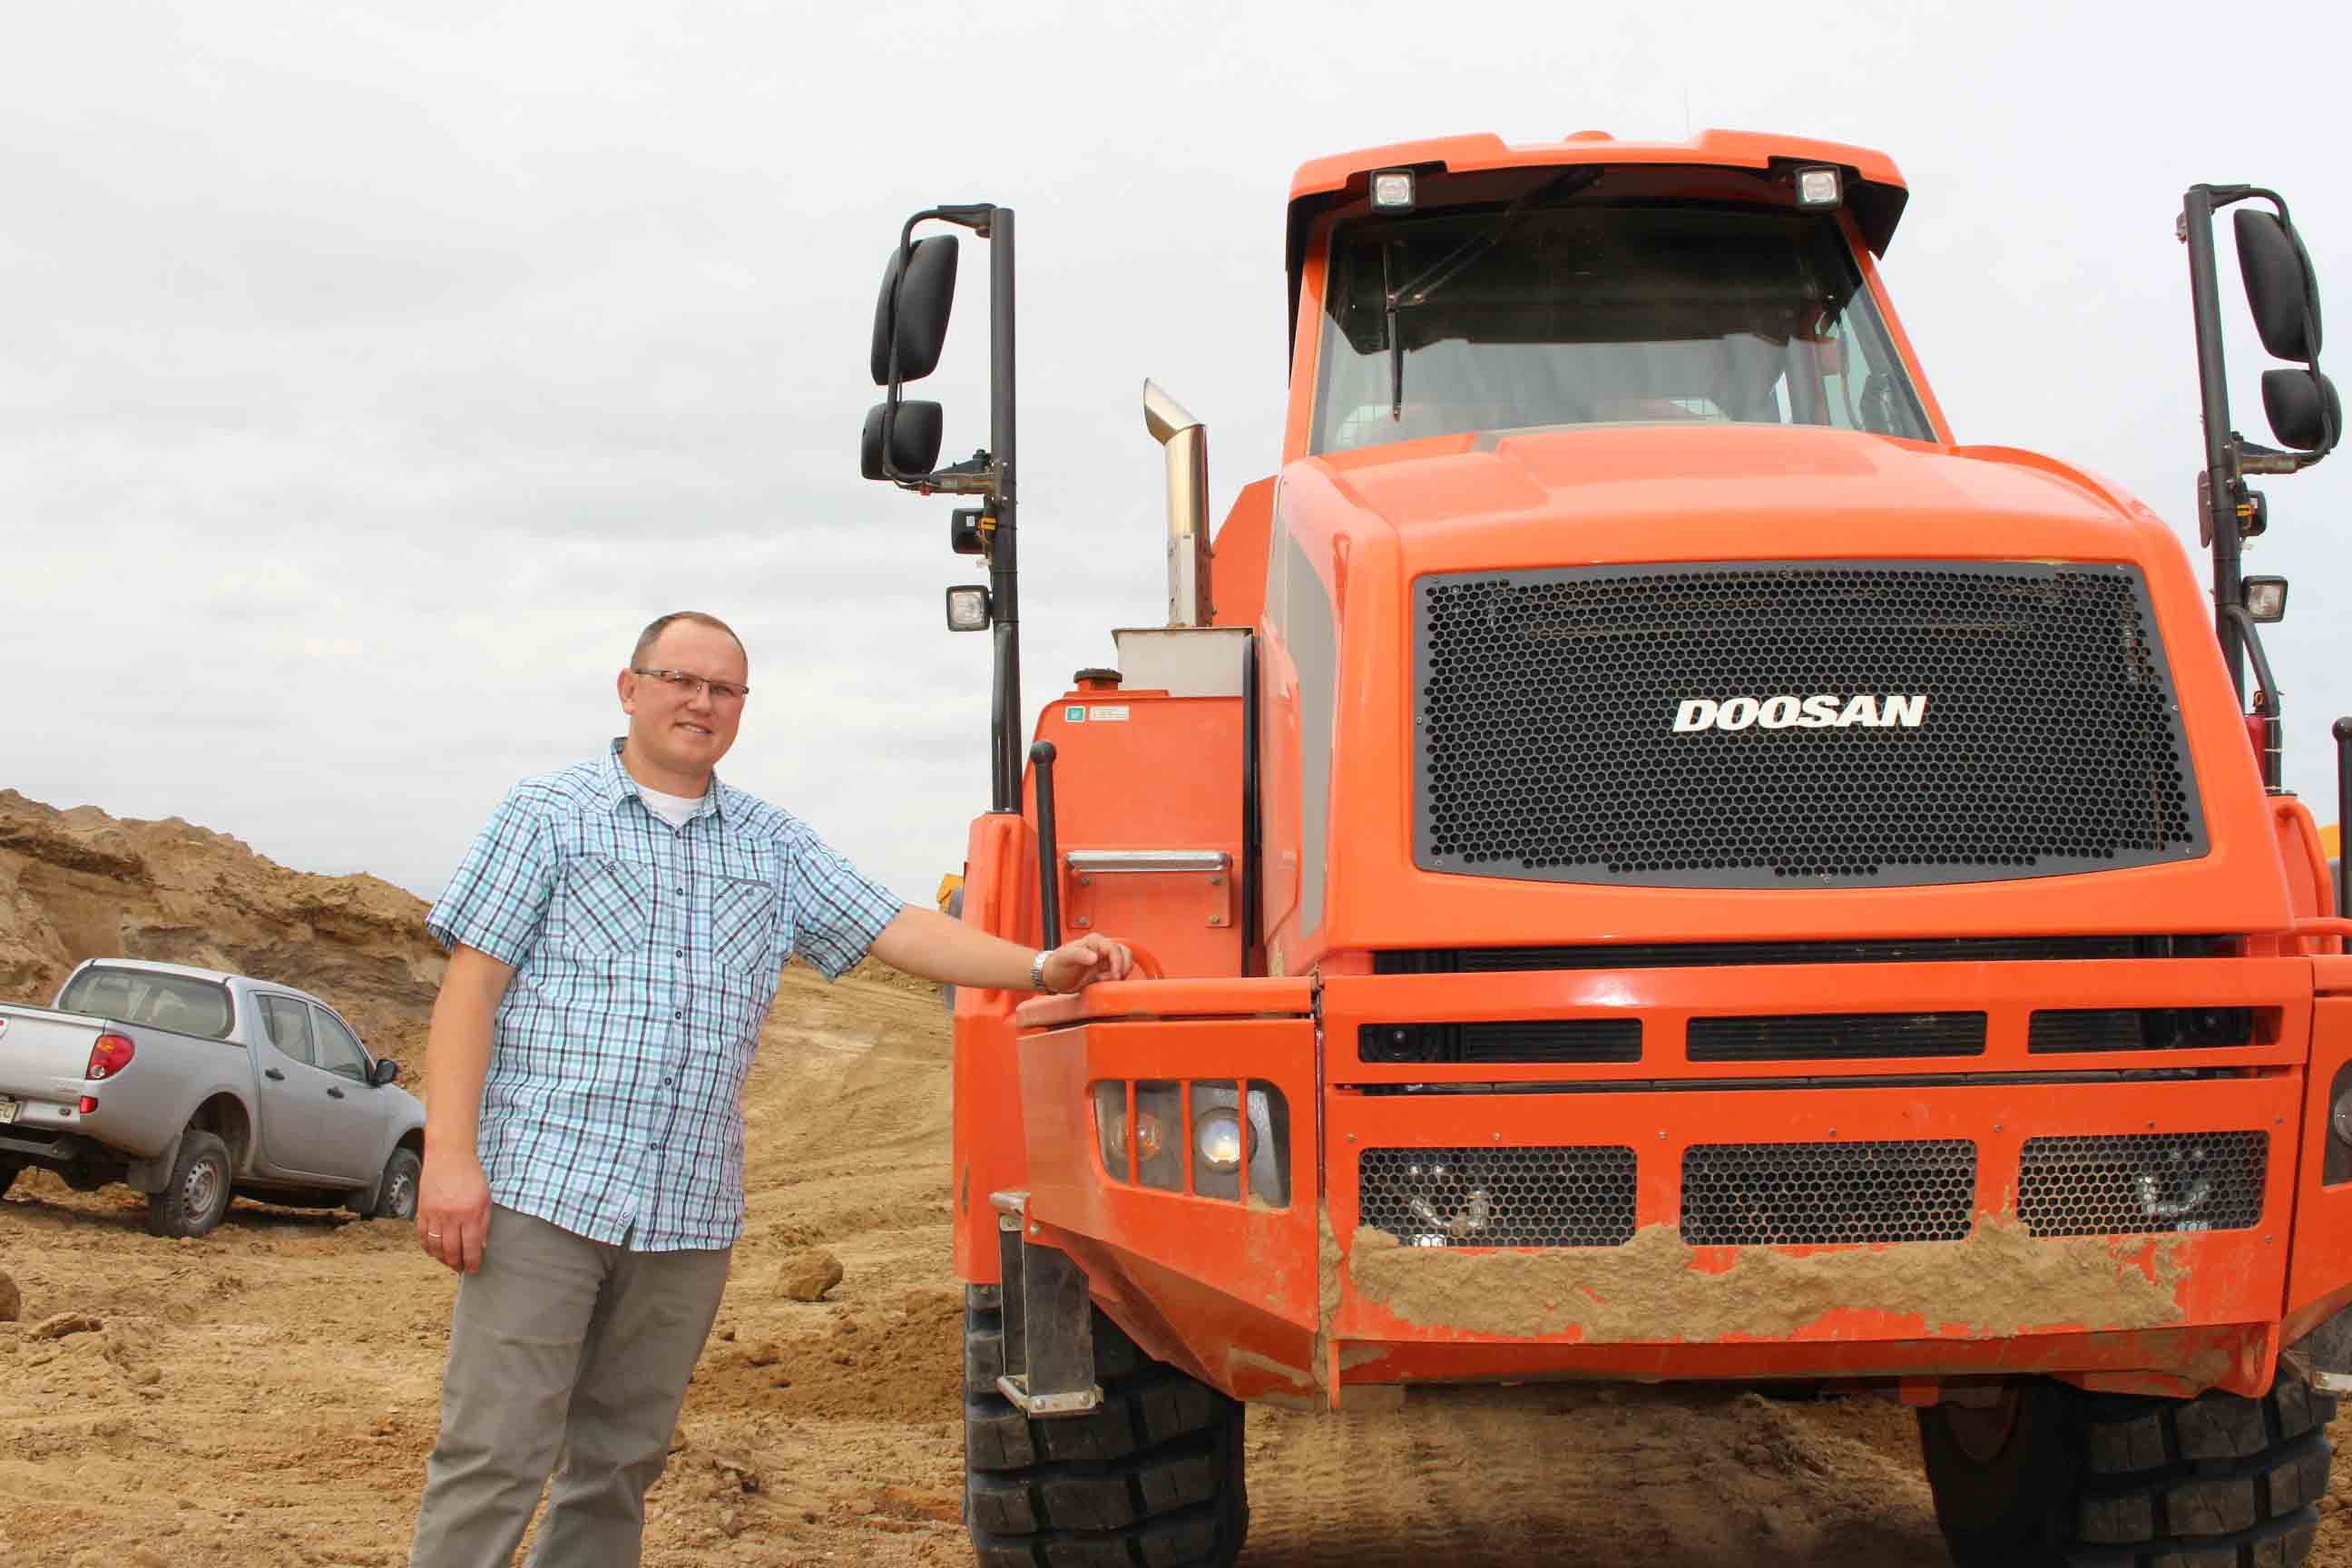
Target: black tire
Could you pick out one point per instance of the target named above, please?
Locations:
(396, 1190)
(1152, 1477)
(8, 1178)
(2058, 1479)
(197, 1195)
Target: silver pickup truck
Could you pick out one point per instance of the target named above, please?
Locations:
(191, 1085)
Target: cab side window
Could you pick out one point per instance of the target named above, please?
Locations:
(287, 1024)
(339, 1053)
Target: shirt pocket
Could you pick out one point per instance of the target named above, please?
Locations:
(745, 914)
(608, 907)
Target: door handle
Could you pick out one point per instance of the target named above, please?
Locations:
(273, 1075)
(333, 1093)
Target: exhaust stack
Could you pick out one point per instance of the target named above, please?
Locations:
(1187, 440)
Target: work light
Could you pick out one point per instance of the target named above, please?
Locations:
(968, 608)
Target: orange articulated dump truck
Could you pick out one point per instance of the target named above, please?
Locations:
(1650, 861)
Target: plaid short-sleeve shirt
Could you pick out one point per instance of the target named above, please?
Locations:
(646, 959)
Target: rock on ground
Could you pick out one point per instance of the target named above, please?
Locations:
(807, 1275)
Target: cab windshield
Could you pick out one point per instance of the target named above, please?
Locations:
(1686, 313)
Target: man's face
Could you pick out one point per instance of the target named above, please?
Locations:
(685, 729)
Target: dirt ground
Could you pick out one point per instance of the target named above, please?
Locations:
(265, 1396)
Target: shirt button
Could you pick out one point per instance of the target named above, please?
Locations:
(681, 953)
(680, 1013)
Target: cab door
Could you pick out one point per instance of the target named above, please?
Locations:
(295, 1132)
(354, 1125)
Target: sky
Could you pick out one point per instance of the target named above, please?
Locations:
(368, 374)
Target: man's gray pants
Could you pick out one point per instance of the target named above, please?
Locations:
(560, 1347)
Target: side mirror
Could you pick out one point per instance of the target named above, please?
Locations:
(913, 310)
(911, 438)
(386, 1071)
(2303, 408)
(2279, 288)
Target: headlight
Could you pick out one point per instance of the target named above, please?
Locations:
(2339, 1116)
(1217, 1139)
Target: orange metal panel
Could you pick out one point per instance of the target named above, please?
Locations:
(999, 897)
(1227, 1290)
(2322, 1281)
(1373, 521)
(1463, 155)
(1190, 921)
(1237, 560)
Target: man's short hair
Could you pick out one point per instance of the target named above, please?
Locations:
(651, 634)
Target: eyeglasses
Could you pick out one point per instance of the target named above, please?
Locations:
(691, 686)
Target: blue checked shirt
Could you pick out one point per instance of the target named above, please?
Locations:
(646, 959)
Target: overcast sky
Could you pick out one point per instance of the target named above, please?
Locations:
(368, 374)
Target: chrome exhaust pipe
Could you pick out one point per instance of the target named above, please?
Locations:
(1189, 602)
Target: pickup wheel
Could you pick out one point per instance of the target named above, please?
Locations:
(1154, 1476)
(395, 1194)
(8, 1178)
(2054, 1476)
(193, 1200)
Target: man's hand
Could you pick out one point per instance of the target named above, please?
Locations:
(1075, 965)
(453, 1209)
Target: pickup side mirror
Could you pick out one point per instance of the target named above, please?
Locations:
(386, 1071)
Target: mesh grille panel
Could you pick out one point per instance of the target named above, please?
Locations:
(1509, 1040)
(2135, 1184)
(1835, 1036)
(2140, 1029)
(1753, 1194)
(1569, 1196)
(1549, 748)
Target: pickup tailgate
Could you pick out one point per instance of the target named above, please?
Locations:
(43, 1054)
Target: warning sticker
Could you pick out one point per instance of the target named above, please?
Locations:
(1108, 715)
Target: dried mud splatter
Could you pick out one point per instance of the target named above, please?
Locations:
(2001, 1280)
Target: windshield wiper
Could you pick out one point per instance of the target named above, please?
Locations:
(1447, 267)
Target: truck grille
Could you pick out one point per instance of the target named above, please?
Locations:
(1836, 1037)
(2034, 732)
(2135, 1184)
(1785, 1194)
(1576, 1196)
(1509, 1040)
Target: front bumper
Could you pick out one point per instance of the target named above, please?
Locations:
(2128, 1219)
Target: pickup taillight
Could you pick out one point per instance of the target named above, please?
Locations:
(110, 1055)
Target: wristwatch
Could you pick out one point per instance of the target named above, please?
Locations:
(1037, 971)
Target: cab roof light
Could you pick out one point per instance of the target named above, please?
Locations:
(1818, 187)
(1393, 190)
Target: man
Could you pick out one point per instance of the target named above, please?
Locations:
(615, 936)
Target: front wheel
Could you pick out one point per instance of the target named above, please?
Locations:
(2053, 1478)
(1153, 1476)
(193, 1200)
(395, 1192)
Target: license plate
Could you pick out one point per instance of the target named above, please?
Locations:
(8, 1111)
